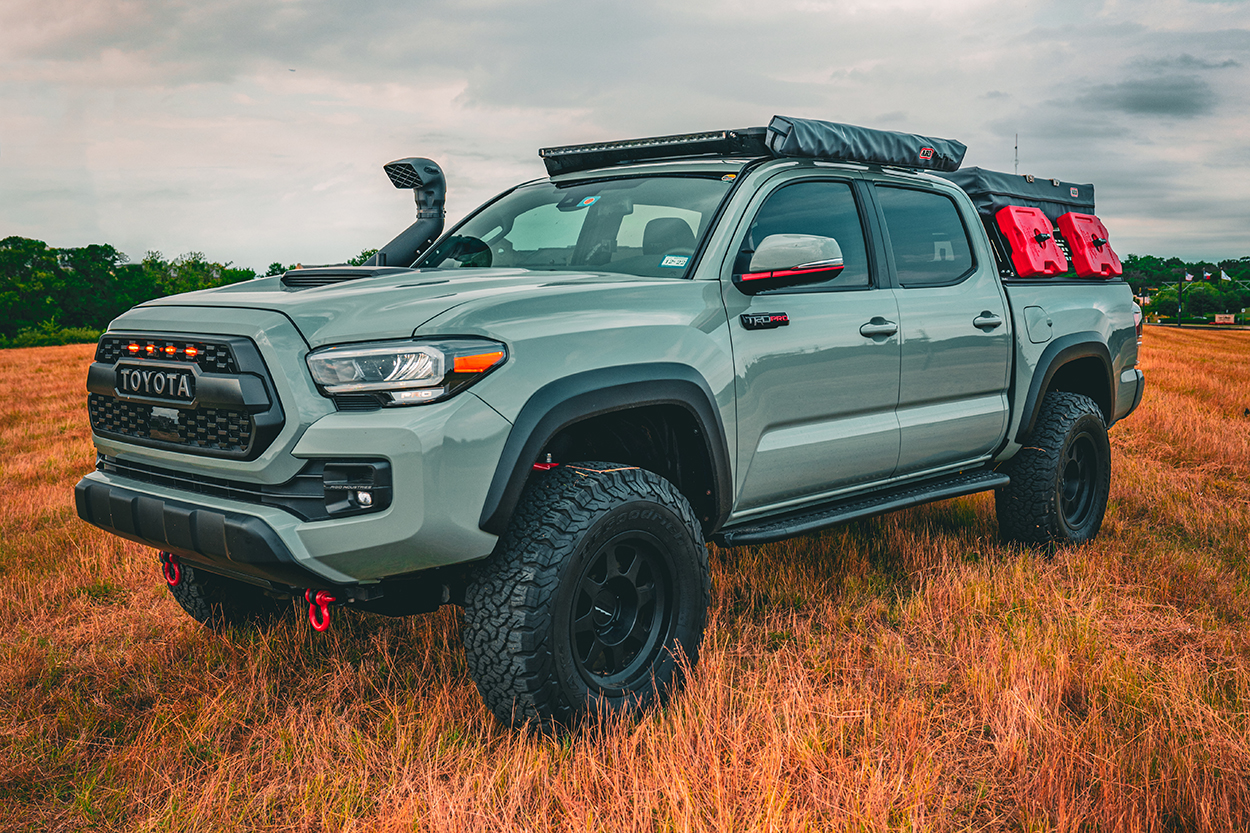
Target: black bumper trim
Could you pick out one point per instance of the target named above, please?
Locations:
(228, 541)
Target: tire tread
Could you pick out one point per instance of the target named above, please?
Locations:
(1028, 510)
(507, 630)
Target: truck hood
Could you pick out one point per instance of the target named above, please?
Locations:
(393, 305)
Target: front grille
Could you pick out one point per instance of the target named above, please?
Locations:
(206, 428)
(228, 420)
(117, 417)
(211, 357)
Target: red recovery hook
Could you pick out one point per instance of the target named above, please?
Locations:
(319, 609)
(171, 569)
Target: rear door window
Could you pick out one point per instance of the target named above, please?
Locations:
(927, 237)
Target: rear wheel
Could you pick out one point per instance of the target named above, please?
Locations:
(1060, 480)
(598, 587)
(218, 602)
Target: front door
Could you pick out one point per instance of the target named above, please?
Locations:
(816, 396)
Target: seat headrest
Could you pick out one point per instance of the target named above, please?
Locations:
(666, 234)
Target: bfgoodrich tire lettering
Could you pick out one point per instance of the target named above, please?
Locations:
(1061, 478)
(598, 586)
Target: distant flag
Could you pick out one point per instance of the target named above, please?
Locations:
(1206, 276)
(1188, 277)
(1224, 276)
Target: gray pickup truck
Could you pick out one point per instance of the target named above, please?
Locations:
(546, 413)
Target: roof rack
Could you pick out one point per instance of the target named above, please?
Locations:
(784, 137)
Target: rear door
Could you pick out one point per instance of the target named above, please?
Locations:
(816, 396)
(956, 333)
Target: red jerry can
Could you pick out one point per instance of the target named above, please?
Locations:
(1032, 239)
(1092, 256)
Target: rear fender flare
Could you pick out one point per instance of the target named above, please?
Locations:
(1065, 350)
(561, 403)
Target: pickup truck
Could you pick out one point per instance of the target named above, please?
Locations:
(545, 414)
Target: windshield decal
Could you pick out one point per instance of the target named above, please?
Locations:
(588, 202)
(675, 262)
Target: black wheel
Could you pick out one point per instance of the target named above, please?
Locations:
(219, 603)
(1061, 478)
(597, 588)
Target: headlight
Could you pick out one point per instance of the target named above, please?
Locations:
(405, 372)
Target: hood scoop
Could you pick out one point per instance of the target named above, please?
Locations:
(297, 279)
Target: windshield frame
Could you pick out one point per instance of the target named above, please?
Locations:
(610, 176)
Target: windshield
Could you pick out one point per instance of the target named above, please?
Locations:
(645, 226)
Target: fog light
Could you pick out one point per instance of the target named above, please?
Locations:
(356, 487)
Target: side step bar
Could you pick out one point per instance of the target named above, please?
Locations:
(862, 506)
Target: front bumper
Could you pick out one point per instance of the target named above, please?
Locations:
(230, 543)
(442, 457)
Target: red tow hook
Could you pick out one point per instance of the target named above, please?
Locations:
(319, 609)
(171, 569)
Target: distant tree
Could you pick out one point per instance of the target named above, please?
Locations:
(100, 284)
(359, 260)
(1202, 299)
(1148, 271)
(32, 284)
(1163, 303)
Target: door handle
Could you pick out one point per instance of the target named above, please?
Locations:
(987, 321)
(878, 327)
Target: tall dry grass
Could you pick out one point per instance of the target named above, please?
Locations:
(906, 673)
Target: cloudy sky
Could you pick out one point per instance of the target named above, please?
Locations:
(255, 130)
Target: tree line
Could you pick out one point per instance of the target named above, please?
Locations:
(1157, 279)
(51, 296)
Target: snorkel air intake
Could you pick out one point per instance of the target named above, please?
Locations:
(429, 189)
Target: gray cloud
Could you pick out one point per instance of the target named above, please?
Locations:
(1183, 62)
(1179, 96)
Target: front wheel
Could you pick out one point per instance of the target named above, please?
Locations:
(597, 590)
(1061, 478)
(219, 603)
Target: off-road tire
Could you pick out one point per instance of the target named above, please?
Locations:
(545, 614)
(219, 603)
(1061, 478)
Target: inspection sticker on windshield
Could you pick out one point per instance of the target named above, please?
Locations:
(675, 262)
(588, 202)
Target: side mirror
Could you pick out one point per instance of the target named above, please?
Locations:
(789, 260)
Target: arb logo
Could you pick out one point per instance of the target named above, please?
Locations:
(926, 153)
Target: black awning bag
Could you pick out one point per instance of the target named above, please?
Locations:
(993, 190)
(813, 139)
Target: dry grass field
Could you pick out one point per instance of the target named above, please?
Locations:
(905, 673)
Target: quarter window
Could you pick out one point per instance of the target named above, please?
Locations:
(822, 208)
(927, 237)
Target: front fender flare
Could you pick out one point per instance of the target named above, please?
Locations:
(561, 403)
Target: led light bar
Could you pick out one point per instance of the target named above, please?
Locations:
(747, 142)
